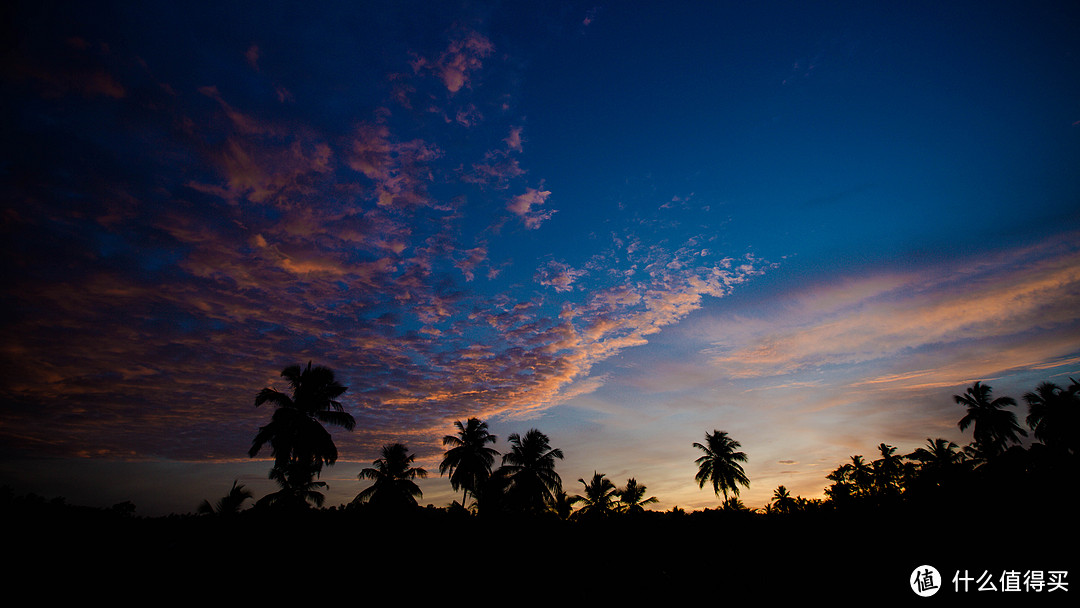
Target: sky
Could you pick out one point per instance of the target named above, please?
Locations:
(807, 224)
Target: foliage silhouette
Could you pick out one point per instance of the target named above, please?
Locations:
(298, 488)
(229, 504)
(720, 464)
(783, 501)
(469, 459)
(632, 497)
(393, 475)
(528, 472)
(600, 497)
(1054, 416)
(733, 505)
(939, 465)
(562, 504)
(298, 441)
(994, 426)
(887, 471)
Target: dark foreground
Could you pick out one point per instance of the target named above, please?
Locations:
(345, 555)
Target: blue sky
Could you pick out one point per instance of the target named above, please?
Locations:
(807, 224)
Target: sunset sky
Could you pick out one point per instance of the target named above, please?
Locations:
(808, 224)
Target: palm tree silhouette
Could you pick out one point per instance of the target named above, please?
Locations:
(939, 453)
(393, 475)
(939, 462)
(469, 460)
(1053, 415)
(994, 427)
(228, 504)
(632, 497)
(733, 505)
(599, 498)
(529, 471)
(887, 470)
(861, 475)
(563, 505)
(783, 501)
(295, 432)
(298, 488)
(720, 464)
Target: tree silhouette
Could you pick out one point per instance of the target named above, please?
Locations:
(228, 504)
(720, 464)
(469, 459)
(528, 470)
(632, 497)
(852, 480)
(940, 463)
(563, 505)
(393, 475)
(734, 505)
(887, 471)
(298, 488)
(599, 498)
(295, 432)
(1053, 416)
(783, 501)
(994, 426)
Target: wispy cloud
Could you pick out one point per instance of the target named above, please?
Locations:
(455, 65)
(1011, 305)
(527, 207)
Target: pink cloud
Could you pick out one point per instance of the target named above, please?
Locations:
(513, 141)
(885, 316)
(525, 206)
(462, 57)
(397, 168)
(558, 275)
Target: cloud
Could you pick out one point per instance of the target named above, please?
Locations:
(558, 275)
(397, 168)
(455, 65)
(1017, 297)
(513, 141)
(526, 207)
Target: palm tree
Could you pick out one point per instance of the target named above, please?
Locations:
(861, 475)
(939, 462)
(295, 432)
(563, 505)
(228, 504)
(994, 426)
(529, 471)
(1052, 415)
(393, 475)
(783, 501)
(734, 505)
(939, 453)
(843, 488)
(599, 498)
(720, 464)
(632, 497)
(887, 470)
(299, 490)
(469, 460)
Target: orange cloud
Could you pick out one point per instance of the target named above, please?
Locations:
(870, 318)
(462, 57)
(525, 206)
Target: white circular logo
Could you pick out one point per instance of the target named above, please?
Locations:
(925, 581)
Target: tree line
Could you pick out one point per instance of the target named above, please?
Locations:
(526, 482)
